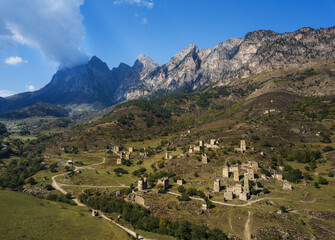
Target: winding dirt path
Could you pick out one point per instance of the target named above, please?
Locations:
(247, 234)
(59, 188)
(231, 204)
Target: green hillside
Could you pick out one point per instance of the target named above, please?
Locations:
(25, 217)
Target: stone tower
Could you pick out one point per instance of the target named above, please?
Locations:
(204, 158)
(142, 184)
(243, 146)
(246, 182)
(225, 172)
(217, 185)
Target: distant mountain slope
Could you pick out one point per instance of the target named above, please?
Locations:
(39, 109)
(93, 86)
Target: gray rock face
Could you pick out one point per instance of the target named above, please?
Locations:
(257, 52)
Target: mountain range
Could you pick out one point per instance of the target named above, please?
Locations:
(93, 86)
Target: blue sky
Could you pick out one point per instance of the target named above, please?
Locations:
(40, 37)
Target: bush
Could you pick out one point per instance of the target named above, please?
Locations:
(283, 209)
(49, 187)
(325, 139)
(322, 181)
(266, 191)
(120, 171)
(181, 189)
(328, 149)
(254, 137)
(330, 174)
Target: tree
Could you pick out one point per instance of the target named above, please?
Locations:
(32, 181)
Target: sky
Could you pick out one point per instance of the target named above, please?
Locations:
(37, 37)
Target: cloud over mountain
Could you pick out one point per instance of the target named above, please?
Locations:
(54, 27)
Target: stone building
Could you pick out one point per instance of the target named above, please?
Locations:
(180, 182)
(116, 149)
(217, 185)
(164, 181)
(142, 184)
(244, 196)
(251, 174)
(238, 189)
(201, 143)
(243, 147)
(95, 213)
(225, 172)
(197, 148)
(228, 193)
(131, 149)
(191, 149)
(119, 161)
(204, 158)
(236, 172)
(127, 156)
(246, 183)
(168, 155)
(213, 142)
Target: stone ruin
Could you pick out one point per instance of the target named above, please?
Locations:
(144, 154)
(197, 148)
(212, 144)
(201, 143)
(242, 148)
(164, 181)
(217, 185)
(251, 173)
(116, 149)
(277, 176)
(168, 155)
(127, 156)
(95, 213)
(286, 185)
(225, 172)
(180, 182)
(191, 149)
(131, 149)
(142, 184)
(119, 161)
(204, 158)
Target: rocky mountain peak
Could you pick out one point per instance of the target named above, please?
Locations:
(144, 64)
(97, 63)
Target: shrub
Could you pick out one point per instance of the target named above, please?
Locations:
(181, 189)
(322, 181)
(49, 187)
(266, 191)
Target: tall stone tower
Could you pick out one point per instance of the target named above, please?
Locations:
(243, 146)
(217, 185)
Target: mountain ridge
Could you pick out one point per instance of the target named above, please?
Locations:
(94, 86)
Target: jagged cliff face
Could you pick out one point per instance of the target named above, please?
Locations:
(94, 85)
(257, 52)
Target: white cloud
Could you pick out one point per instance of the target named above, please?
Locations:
(14, 60)
(139, 3)
(54, 27)
(144, 20)
(30, 88)
(6, 93)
